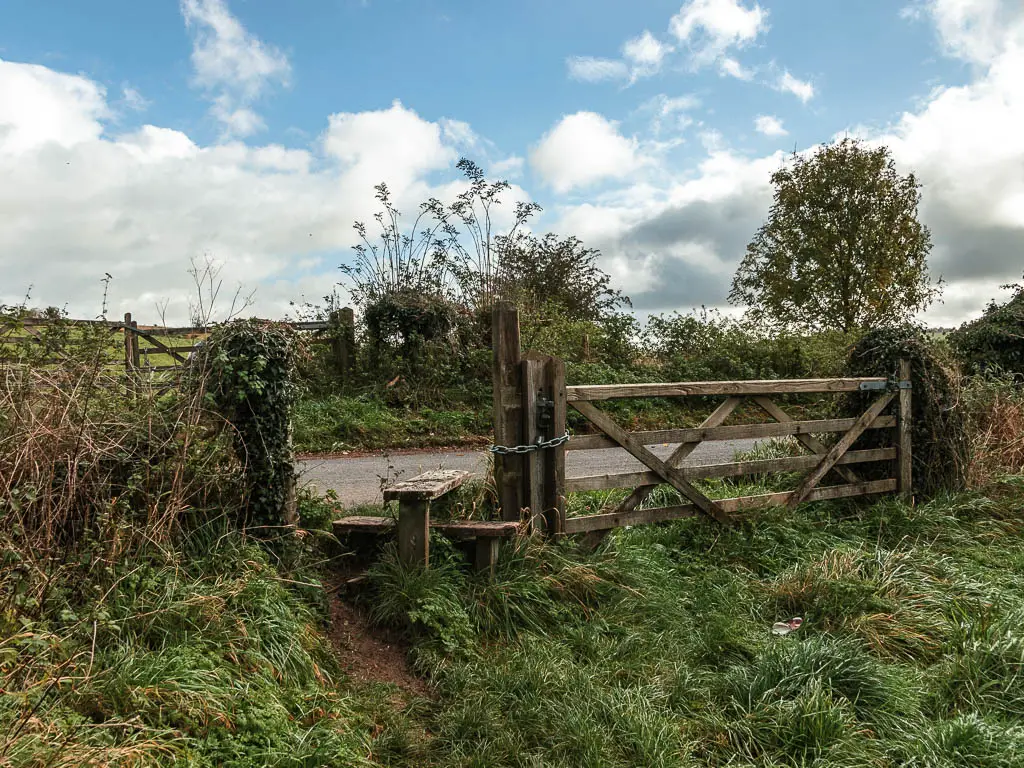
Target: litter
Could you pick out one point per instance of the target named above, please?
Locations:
(785, 627)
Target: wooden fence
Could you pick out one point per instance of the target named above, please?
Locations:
(162, 350)
(530, 405)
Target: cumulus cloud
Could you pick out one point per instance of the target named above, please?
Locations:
(712, 27)
(231, 64)
(581, 149)
(802, 89)
(769, 125)
(78, 202)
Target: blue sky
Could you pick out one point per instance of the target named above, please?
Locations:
(253, 131)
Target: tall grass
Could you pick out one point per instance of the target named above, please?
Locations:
(655, 649)
(136, 626)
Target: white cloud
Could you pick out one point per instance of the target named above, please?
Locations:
(79, 202)
(802, 89)
(978, 31)
(769, 125)
(673, 111)
(133, 99)
(510, 167)
(234, 66)
(642, 56)
(646, 54)
(590, 69)
(39, 106)
(712, 27)
(732, 68)
(581, 149)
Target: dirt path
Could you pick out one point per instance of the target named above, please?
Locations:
(357, 480)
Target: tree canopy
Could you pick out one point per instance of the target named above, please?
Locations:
(842, 248)
(558, 273)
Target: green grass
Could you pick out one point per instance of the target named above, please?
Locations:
(655, 650)
(209, 661)
(338, 423)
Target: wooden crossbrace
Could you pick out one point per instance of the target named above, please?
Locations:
(812, 444)
(669, 474)
(837, 450)
(717, 418)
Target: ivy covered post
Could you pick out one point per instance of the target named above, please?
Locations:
(247, 368)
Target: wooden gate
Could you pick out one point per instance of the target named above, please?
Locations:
(530, 407)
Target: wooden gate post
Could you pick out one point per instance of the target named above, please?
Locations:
(508, 408)
(544, 414)
(131, 356)
(906, 484)
(343, 343)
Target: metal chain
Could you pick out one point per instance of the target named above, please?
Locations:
(541, 444)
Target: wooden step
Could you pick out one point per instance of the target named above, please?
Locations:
(427, 486)
(456, 529)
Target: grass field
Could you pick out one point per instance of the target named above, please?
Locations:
(656, 649)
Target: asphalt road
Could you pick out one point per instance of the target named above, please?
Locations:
(358, 480)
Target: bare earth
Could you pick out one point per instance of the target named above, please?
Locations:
(357, 480)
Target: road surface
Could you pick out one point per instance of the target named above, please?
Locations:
(357, 480)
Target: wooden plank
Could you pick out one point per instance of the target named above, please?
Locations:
(469, 529)
(455, 529)
(508, 469)
(554, 458)
(825, 493)
(743, 503)
(686, 388)
(158, 344)
(671, 475)
(905, 424)
(717, 418)
(533, 389)
(427, 486)
(731, 469)
(611, 520)
(739, 431)
(840, 448)
(414, 533)
(361, 524)
(809, 442)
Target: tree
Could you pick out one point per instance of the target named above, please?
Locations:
(560, 274)
(842, 248)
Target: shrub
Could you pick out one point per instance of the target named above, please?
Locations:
(996, 339)
(246, 370)
(939, 432)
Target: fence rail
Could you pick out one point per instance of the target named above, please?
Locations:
(159, 349)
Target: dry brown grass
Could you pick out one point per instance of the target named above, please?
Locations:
(995, 407)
